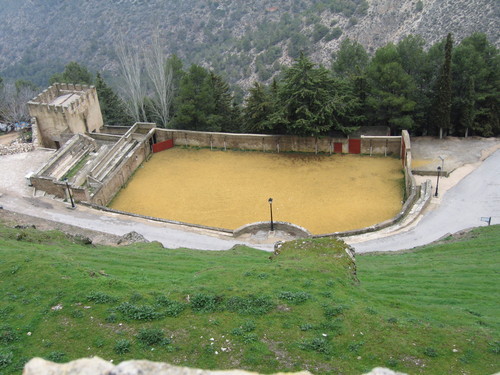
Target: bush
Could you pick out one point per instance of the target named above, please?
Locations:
(100, 297)
(294, 297)
(494, 347)
(202, 302)
(251, 305)
(5, 359)
(138, 312)
(122, 346)
(248, 326)
(150, 336)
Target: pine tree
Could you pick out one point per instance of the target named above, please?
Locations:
(313, 102)
(112, 107)
(442, 102)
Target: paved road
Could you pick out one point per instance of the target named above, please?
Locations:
(169, 235)
(476, 196)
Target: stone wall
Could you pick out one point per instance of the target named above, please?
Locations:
(280, 226)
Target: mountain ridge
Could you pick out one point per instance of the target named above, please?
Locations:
(227, 36)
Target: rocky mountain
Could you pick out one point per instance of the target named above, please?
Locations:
(243, 40)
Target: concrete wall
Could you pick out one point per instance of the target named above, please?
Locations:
(278, 143)
(80, 116)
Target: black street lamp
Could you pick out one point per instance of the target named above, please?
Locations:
(270, 200)
(70, 195)
(437, 182)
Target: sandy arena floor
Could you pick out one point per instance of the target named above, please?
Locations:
(228, 189)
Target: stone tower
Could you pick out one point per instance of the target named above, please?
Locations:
(63, 110)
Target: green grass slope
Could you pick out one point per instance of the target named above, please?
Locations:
(432, 311)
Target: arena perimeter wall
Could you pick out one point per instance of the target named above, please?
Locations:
(373, 145)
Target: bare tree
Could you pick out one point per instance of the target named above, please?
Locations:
(15, 99)
(133, 88)
(160, 75)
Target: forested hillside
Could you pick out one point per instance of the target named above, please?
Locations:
(242, 40)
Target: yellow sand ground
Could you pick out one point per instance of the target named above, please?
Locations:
(228, 189)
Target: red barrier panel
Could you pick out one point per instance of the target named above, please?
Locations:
(355, 146)
(337, 147)
(169, 143)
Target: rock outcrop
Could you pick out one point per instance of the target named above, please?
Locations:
(98, 366)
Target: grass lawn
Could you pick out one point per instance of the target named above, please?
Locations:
(433, 311)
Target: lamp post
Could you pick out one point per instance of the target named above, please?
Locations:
(270, 200)
(437, 182)
(70, 195)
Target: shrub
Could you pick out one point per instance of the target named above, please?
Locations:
(138, 312)
(294, 297)
(202, 302)
(150, 336)
(251, 305)
(122, 346)
(100, 297)
(5, 359)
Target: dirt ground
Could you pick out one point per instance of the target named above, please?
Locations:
(323, 194)
(7, 138)
(454, 151)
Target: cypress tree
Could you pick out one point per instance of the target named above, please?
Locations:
(442, 104)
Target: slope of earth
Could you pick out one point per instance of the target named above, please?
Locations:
(428, 312)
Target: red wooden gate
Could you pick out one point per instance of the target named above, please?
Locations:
(337, 147)
(355, 146)
(169, 143)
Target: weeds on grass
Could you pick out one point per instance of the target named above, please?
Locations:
(6, 359)
(139, 312)
(294, 297)
(306, 327)
(100, 297)
(250, 305)
(7, 335)
(172, 308)
(56, 357)
(430, 352)
(202, 302)
(150, 336)
(122, 346)
(332, 311)
(355, 346)
(318, 344)
(494, 347)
